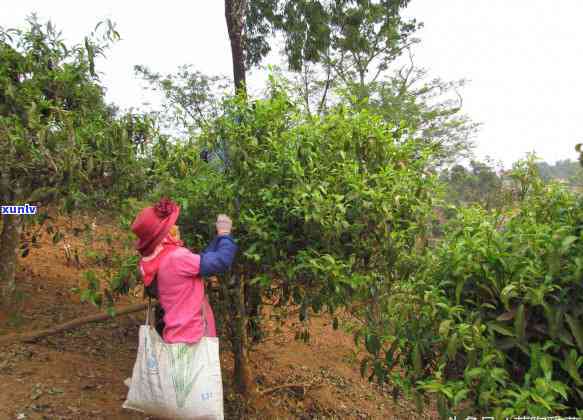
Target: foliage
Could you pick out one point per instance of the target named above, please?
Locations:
(191, 99)
(492, 320)
(435, 117)
(566, 171)
(478, 185)
(329, 44)
(332, 211)
(327, 211)
(333, 45)
(355, 32)
(58, 135)
(119, 261)
(431, 108)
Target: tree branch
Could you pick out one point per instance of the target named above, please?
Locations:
(35, 335)
(326, 87)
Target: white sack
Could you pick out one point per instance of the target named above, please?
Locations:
(176, 381)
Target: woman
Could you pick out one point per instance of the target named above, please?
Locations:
(178, 273)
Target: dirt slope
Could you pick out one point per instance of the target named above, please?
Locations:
(79, 375)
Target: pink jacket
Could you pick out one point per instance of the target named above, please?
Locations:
(182, 296)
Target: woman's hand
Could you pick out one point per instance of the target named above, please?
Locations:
(224, 224)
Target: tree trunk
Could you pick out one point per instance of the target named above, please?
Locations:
(243, 379)
(235, 16)
(8, 248)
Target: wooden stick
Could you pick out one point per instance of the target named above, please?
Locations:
(32, 336)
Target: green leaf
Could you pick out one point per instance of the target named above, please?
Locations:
(546, 364)
(542, 402)
(577, 330)
(520, 323)
(473, 373)
(452, 347)
(560, 389)
(508, 293)
(487, 305)
(500, 329)
(570, 365)
(460, 396)
(458, 290)
(507, 316)
(446, 391)
(499, 375)
(372, 344)
(567, 242)
(444, 328)
(417, 362)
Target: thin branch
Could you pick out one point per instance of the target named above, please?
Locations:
(35, 335)
(404, 84)
(307, 90)
(326, 87)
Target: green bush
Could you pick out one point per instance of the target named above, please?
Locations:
(328, 211)
(493, 322)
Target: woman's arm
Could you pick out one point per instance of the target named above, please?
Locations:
(218, 256)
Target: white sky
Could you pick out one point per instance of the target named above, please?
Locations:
(524, 58)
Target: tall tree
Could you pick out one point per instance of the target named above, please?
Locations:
(431, 107)
(235, 14)
(566, 171)
(191, 98)
(350, 46)
(352, 35)
(480, 184)
(323, 31)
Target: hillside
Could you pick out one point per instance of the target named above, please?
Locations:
(79, 374)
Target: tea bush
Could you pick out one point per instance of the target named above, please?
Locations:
(327, 211)
(493, 320)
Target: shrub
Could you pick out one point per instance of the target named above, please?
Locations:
(494, 320)
(328, 211)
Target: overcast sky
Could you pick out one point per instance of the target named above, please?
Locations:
(524, 58)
